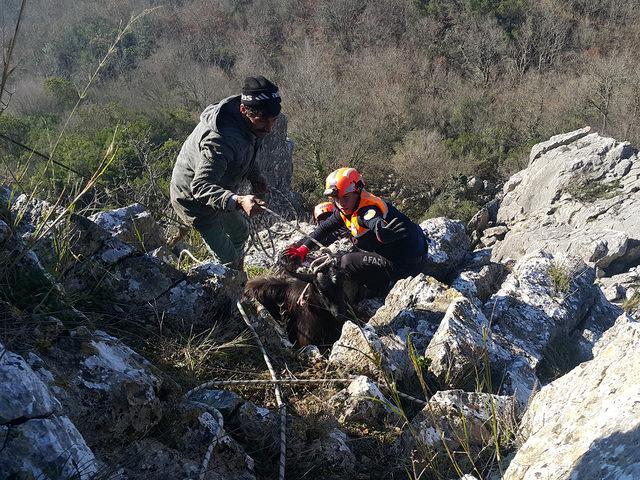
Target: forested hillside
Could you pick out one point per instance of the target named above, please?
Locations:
(415, 93)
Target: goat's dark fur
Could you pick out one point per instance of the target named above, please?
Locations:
(311, 323)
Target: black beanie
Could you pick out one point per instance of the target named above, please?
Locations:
(261, 95)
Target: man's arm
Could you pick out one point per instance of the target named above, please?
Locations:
(385, 231)
(329, 225)
(209, 170)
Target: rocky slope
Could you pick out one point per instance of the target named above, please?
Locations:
(514, 360)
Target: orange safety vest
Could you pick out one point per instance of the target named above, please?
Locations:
(366, 200)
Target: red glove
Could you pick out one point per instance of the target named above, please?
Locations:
(297, 254)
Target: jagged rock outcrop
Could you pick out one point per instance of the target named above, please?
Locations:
(448, 245)
(363, 402)
(132, 224)
(586, 424)
(99, 266)
(413, 301)
(578, 194)
(109, 391)
(327, 453)
(455, 420)
(546, 297)
(458, 352)
(38, 439)
(359, 350)
(479, 277)
(621, 287)
(276, 164)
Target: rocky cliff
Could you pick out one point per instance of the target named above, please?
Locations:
(520, 361)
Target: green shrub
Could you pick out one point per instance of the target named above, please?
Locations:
(632, 304)
(62, 90)
(588, 191)
(560, 278)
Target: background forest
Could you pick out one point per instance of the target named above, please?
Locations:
(418, 94)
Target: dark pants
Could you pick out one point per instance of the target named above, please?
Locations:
(376, 272)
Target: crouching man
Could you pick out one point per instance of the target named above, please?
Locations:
(393, 246)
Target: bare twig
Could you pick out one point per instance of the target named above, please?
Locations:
(7, 70)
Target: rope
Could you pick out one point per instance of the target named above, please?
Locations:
(281, 405)
(296, 228)
(216, 430)
(289, 381)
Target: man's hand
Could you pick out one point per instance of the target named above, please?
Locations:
(259, 186)
(250, 204)
(296, 254)
(390, 232)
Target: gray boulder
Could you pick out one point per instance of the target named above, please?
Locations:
(462, 346)
(38, 440)
(363, 402)
(411, 301)
(544, 300)
(577, 195)
(327, 452)
(448, 244)
(108, 390)
(194, 427)
(479, 277)
(207, 290)
(621, 287)
(132, 224)
(586, 424)
(276, 163)
(546, 296)
(359, 350)
(455, 420)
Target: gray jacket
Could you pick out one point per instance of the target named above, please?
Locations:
(220, 153)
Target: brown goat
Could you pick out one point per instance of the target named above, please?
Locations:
(317, 320)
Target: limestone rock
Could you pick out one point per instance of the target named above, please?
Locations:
(328, 453)
(545, 296)
(410, 301)
(448, 242)
(224, 401)
(165, 254)
(194, 427)
(276, 164)
(461, 346)
(207, 290)
(454, 418)
(255, 426)
(108, 390)
(586, 424)
(37, 440)
(363, 402)
(22, 394)
(132, 224)
(577, 195)
(153, 460)
(480, 282)
(45, 448)
(616, 287)
(360, 351)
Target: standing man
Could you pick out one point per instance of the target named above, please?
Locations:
(218, 155)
